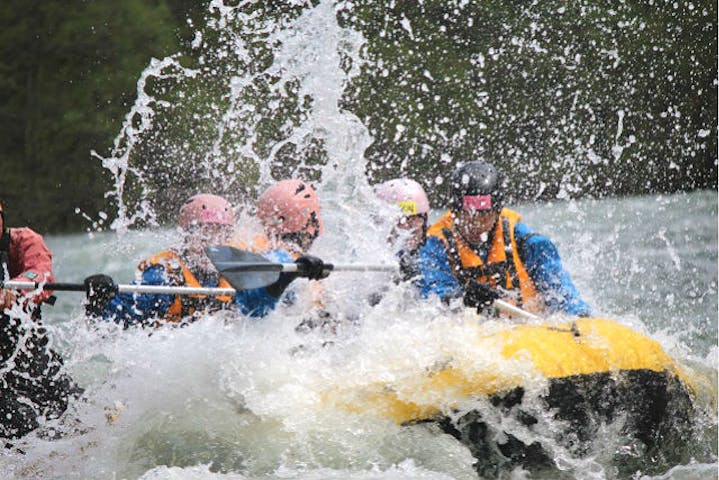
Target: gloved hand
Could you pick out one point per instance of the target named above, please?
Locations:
(479, 295)
(100, 289)
(312, 267)
(408, 267)
(7, 298)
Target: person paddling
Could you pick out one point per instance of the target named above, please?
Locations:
(289, 211)
(481, 251)
(205, 220)
(291, 217)
(34, 386)
(411, 227)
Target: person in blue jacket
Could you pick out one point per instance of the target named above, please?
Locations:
(481, 251)
(205, 220)
(411, 227)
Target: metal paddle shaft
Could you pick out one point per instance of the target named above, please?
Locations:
(65, 287)
(243, 270)
(297, 267)
(337, 267)
(510, 309)
(122, 288)
(248, 270)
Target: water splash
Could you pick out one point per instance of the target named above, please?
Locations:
(262, 101)
(138, 121)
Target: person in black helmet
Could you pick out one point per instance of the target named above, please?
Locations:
(481, 251)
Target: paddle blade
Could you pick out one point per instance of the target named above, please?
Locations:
(242, 269)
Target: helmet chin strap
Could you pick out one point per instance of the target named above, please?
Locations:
(296, 238)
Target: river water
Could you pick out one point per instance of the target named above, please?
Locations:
(225, 398)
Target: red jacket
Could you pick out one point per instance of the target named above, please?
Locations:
(30, 260)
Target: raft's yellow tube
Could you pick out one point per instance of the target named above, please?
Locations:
(583, 347)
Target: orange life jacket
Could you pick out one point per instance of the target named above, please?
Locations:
(179, 274)
(258, 244)
(499, 272)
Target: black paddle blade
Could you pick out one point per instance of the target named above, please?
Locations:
(242, 269)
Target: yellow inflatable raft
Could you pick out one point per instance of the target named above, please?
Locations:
(585, 374)
(584, 347)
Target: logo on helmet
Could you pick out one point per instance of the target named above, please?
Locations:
(409, 207)
(477, 202)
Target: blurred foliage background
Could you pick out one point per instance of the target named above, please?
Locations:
(569, 98)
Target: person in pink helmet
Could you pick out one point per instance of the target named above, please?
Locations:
(411, 227)
(204, 220)
(289, 211)
(290, 214)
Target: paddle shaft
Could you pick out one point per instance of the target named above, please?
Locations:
(122, 288)
(334, 267)
(179, 290)
(169, 290)
(510, 309)
(298, 267)
(235, 265)
(501, 305)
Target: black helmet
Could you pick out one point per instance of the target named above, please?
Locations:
(476, 185)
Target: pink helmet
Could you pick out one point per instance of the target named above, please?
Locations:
(406, 193)
(290, 206)
(205, 208)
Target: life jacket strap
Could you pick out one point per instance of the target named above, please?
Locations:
(509, 253)
(191, 304)
(456, 260)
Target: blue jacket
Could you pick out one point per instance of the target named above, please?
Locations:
(135, 308)
(537, 252)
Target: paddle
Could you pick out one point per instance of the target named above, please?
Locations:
(244, 271)
(247, 270)
(510, 309)
(122, 288)
(265, 277)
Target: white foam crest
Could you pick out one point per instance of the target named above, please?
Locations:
(405, 470)
(239, 393)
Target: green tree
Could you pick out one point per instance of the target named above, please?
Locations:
(67, 75)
